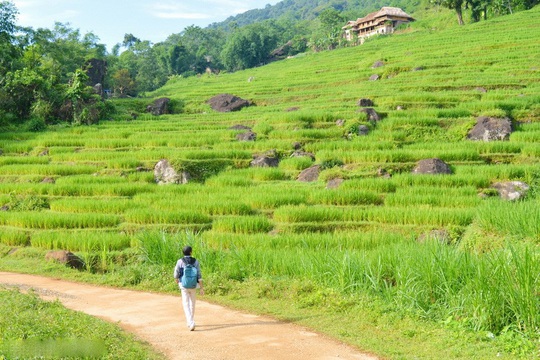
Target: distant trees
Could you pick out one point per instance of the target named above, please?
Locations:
(481, 8)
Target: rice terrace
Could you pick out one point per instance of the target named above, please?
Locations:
(311, 205)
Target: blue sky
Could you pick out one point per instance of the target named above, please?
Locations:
(147, 20)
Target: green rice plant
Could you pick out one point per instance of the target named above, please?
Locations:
(47, 169)
(104, 205)
(519, 219)
(295, 163)
(81, 240)
(152, 216)
(345, 197)
(46, 220)
(242, 224)
(159, 247)
(14, 237)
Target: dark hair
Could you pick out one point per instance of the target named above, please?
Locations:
(187, 250)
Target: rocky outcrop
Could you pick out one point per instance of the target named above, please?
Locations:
(268, 159)
(491, 129)
(159, 106)
(247, 136)
(512, 190)
(227, 103)
(372, 115)
(310, 174)
(164, 174)
(65, 257)
(432, 166)
(365, 102)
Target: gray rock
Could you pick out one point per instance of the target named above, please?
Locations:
(491, 129)
(365, 102)
(268, 159)
(372, 115)
(374, 77)
(432, 166)
(247, 136)
(310, 174)
(363, 130)
(164, 174)
(159, 106)
(512, 190)
(301, 153)
(378, 64)
(227, 103)
(65, 257)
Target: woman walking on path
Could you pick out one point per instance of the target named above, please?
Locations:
(187, 274)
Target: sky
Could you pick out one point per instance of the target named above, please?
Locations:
(147, 20)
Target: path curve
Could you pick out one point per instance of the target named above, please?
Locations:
(221, 333)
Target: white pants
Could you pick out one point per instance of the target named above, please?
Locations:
(188, 302)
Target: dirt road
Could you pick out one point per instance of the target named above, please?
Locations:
(158, 319)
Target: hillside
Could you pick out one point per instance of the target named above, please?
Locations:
(309, 9)
(399, 264)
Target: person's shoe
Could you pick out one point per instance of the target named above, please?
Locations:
(192, 327)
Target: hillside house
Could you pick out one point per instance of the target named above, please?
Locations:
(383, 21)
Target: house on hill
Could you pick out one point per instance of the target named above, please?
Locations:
(383, 21)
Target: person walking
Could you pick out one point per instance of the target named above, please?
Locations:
(187, 274)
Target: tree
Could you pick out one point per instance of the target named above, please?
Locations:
(123, 83)
(456, 5)
(8, 17)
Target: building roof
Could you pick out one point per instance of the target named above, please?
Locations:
(385, 11)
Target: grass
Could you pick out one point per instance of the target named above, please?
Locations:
(263, 237)
(32, 328)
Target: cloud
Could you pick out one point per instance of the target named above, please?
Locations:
(171, 10)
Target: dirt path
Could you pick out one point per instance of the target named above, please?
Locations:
(158, 319)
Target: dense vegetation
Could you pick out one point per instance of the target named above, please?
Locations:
(264, 236)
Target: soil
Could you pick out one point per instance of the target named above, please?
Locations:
(158, 319)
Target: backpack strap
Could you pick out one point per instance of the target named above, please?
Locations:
(190, 262)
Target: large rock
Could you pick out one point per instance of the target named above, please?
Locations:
(491, 129)
(512, 190)
(65, 257)
(247, 136)
(310, 174)
(302, 153)
(227, 103)
(164, 173)
(365, 102)
(432, 166)
(159, 106)
(268, 159)
(372, 115)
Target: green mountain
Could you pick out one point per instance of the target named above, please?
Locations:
(400, 264)
(297, 10)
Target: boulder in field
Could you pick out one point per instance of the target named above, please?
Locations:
(310, 174)
(365, 102)
(247, 136)
(512, 190)
(159, 106)
(268, 159)
(491, 129)
(374, 77)
(227, 103)
(65, 257)
(378, 64)
(164, 174)
(372, 115)
(432, 166)
(302, 153)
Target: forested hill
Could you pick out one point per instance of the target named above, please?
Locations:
(310, 9)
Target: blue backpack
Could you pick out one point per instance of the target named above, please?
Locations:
(189, 276)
